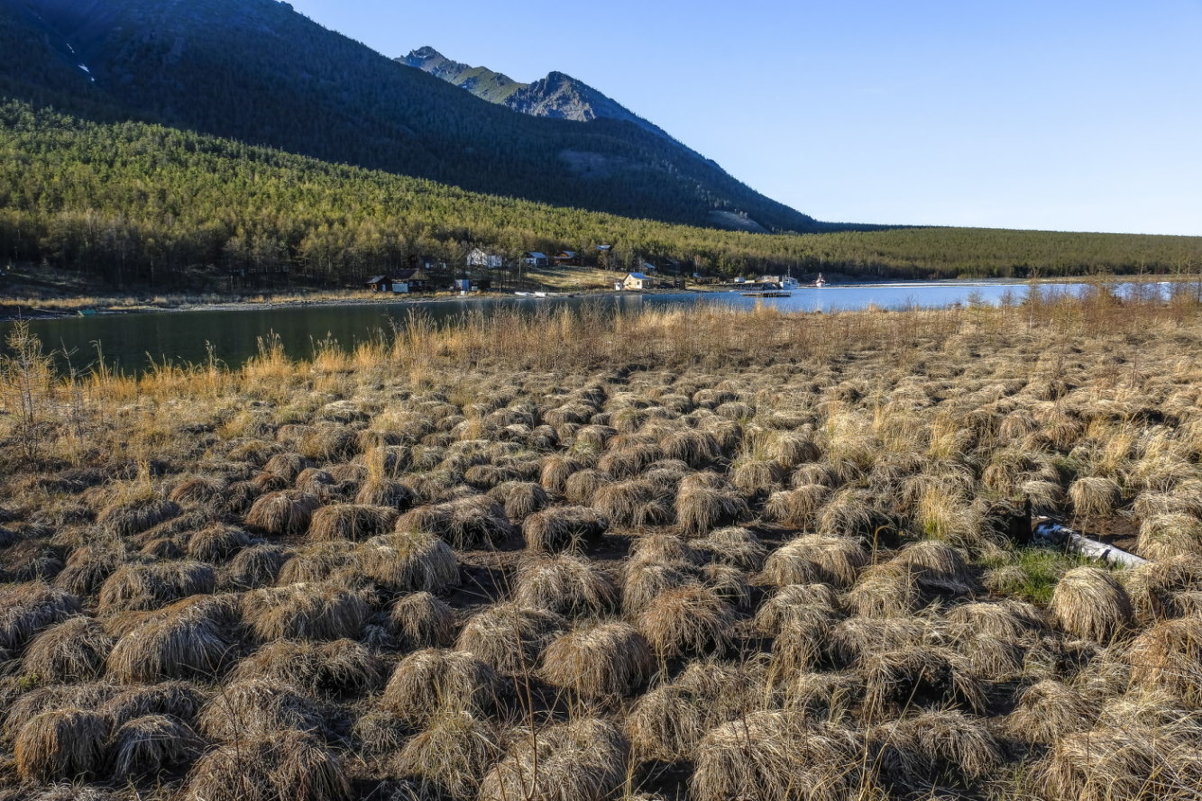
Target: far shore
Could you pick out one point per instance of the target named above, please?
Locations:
(52, 308)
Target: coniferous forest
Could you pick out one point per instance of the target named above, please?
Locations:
(135, 203)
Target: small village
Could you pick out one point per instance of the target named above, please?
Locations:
(488, 271)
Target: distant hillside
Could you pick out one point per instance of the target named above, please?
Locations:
(557, 96)
(257, 71)
(137, 204)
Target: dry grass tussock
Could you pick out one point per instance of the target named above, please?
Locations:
(760, 556)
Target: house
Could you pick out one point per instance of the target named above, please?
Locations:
(535, 259)
(380, 283)
(637, 282)
(483, 260)
(416, 280)
(567, 258)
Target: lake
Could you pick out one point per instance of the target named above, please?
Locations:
(130, 341)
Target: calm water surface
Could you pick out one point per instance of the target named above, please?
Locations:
(131, 341)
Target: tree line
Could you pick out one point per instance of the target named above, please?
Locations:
(140, 204)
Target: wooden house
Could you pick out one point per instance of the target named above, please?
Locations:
(637, 282)
(535, 259)
(567, 258)
(380, 283)
(417, 280)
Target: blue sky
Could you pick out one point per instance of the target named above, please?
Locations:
(1055, 115)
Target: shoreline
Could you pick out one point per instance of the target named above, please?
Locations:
(12, 310)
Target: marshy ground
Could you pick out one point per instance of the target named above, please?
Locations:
(690, 554)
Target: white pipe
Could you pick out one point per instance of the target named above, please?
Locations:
(1045, 531)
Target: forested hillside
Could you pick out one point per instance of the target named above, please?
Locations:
(257, 71)
(138, 203)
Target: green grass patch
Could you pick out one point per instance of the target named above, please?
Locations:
(1031, 574)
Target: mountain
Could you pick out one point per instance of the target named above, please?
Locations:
(557, 96)
(257, 71)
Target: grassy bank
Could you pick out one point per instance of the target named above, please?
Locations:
(700, 553)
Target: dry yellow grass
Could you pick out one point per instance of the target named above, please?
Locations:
(753, 544)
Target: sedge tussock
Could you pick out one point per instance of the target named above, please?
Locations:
(282, 765)
(176, 699)
(217, 543)
(284, 513)
(797, 507)
(1095, 496)
(917, 676)
(563, 528)
(687, 621)
(663, 549)
(287, 465)
(305, 612)
(797, 602)
(555, 472)
(1168, 657)
(1089, 603)
(633, 503)
(317, 562)
(253, 567)
(821, 696)
(408, 562)
(777, 756)
(932, 748)
(584, 759)
(605, 661)
(259, 707)
(62, 745)
(26, 609)
(337, 668)
(147, 746)
(465, 523)
(938, 567)
(520, 499)
(566, 585)
(706, 501)
(815, 559)
(433, 680)
(70, 651)
(582, 486)
(451, 756)
(1160, 590)
(885, 590)
(1048, 710)
(385, 492)
(1008, 619)
(643, 582)
(134, 517)
(801, 642)
(1165, 536)
(194, 638)
(508, 637)
(198, 491)
(347, 521)
(1109, 763)
(669, 721)
(422, 620)
(735, 547)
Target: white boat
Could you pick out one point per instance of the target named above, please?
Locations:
(819, 281)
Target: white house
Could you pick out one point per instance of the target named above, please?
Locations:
(636, 281)
(483, 260)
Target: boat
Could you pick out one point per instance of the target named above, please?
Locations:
(820, 281)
